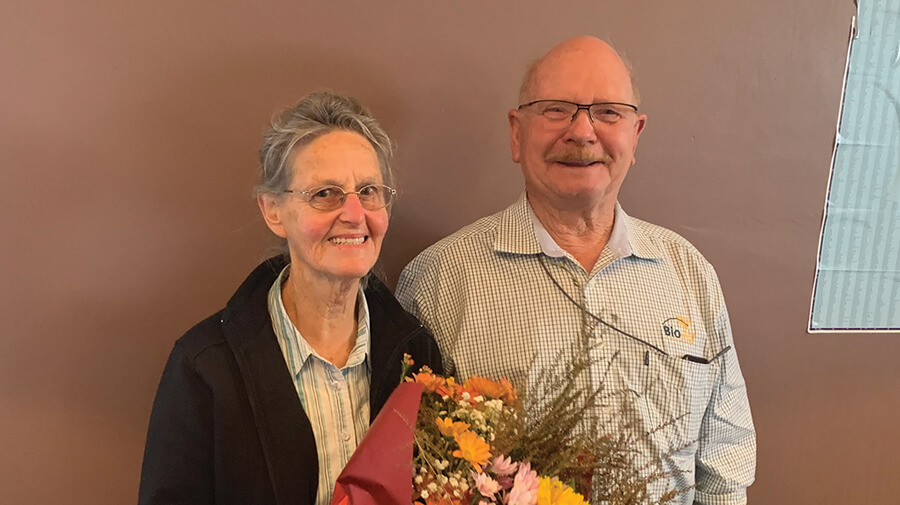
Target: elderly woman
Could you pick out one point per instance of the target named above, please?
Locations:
(265, 401)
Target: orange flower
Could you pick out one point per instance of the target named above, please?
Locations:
(502, 390)
(449, 428)
(449, 388)
(473, 449)
(430, 382)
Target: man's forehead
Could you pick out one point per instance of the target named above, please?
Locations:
(582, 68)
(582, 79)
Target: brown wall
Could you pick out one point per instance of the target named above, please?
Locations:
(127, 143)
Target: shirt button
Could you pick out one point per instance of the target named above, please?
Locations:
(337, 386)
(345, 435)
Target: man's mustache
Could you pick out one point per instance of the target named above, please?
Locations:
(577, 157)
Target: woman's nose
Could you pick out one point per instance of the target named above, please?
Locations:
(352, 209)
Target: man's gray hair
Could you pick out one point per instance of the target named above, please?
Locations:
(315, 115)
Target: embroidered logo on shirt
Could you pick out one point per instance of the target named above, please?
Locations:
(679, 328)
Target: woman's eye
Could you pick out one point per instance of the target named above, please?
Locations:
(324, 193)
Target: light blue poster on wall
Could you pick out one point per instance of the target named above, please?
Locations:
(857, 285)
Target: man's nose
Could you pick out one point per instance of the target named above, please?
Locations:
(581, 129)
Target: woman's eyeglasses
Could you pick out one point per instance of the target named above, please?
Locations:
(371, 196)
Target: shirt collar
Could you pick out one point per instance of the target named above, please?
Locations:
(638, 243)
(520, 232)
(295, 348)
(515, 234)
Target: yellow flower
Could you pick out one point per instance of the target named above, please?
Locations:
(472, 448)
(449, 428)
(554, 492)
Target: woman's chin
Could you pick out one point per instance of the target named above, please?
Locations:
(348, 272)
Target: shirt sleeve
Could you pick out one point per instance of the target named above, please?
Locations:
(418, 291)
(178, 458)
(726, 456)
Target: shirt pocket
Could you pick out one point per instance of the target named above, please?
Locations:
(671, 396)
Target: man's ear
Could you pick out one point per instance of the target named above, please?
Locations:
(272, 212)
(638, 128)
(514, 131)
(641, 123)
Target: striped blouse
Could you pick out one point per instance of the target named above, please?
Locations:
(335, 400)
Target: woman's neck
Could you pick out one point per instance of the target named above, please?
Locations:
(324, 312)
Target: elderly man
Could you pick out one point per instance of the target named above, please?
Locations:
(565, 266)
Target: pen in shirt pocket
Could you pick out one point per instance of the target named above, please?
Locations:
(702, 360)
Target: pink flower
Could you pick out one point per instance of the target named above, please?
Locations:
(503, 466)
(505, 482)
(485, 484)
(525, 487)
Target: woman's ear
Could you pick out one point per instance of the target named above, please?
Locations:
(272, 212)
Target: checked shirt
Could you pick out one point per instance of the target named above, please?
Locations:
(503, 300)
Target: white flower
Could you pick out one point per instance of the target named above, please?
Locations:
(494, 406)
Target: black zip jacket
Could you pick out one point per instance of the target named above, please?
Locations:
(227, 426)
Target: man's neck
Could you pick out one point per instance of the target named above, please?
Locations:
(582, 232)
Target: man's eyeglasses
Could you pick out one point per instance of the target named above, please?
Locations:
(371, 196)
(558, 111)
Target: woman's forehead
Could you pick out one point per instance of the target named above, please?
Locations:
(338, 158)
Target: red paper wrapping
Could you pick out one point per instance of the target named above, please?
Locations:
(380, 470)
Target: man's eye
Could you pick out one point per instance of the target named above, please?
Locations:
(607, 115)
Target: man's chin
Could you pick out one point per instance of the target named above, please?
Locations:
(586, 196)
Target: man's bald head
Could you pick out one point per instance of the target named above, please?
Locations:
(582, 50)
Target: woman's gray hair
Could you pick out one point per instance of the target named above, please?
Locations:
(315, 115)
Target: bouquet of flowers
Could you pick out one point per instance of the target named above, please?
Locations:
(472, 443)
(456, 462)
